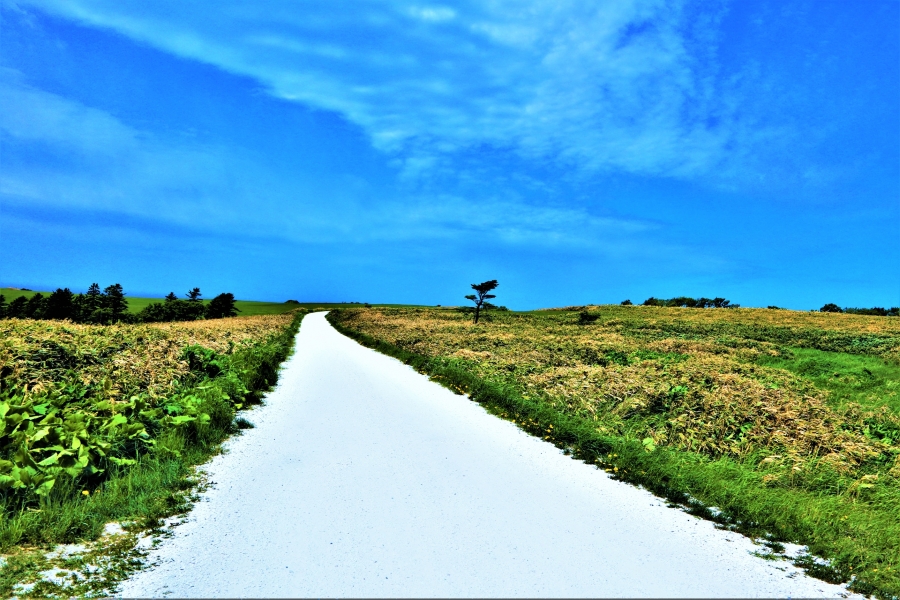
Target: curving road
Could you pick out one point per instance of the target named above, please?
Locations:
(364, 478)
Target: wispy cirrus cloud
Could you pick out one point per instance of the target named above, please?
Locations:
(623, 85)
(101, 164)
(93, 160)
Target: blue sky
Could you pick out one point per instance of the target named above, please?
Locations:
(387, 151)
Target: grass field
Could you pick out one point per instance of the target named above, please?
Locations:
(103, 424)
(788, 423)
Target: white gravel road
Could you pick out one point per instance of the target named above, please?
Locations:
(364, 478)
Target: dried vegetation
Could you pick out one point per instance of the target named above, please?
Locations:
(79, 400)
(121, 360)
(688, 379)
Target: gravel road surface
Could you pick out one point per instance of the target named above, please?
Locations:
(364, 478)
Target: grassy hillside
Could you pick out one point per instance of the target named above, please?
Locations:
(787, 422)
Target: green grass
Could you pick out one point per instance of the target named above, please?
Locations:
(11, 294)
(870, 381)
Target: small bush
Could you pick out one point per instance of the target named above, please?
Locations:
(586, 318)
(221, 306)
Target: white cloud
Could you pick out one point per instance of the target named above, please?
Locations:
(432, 13)
(94, 161)
(33, 115)
(602, 85)
(98, 163)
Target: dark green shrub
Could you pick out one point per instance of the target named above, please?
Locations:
(171, 310)
(16, 309)
(687, 302)
(877, 311)
(34, 308)
(586, 318)
(221, 306)
(60, 305)
(114, 301)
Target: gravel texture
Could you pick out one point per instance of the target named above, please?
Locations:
(364, 478)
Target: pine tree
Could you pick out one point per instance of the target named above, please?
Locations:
(60, 305)
(79, 311)
(16, 309)
(93, 301)
(114, 301)
(34, 309)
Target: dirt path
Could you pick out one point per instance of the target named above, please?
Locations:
(363, 478)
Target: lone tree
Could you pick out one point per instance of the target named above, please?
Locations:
(482, 290)
(222, 306)
(194, 295)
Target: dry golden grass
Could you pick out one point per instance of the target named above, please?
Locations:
(123, 359)
(665, 374)
(794, 319)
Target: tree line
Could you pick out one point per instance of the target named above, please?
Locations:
(109, 305)
(878, 311)
(687, 302)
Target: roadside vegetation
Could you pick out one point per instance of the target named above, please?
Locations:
(104, 423)
(781, 424)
